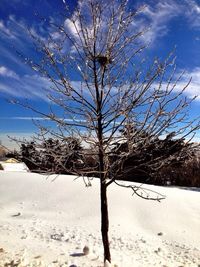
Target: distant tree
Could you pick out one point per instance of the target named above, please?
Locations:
(185, 174)
(61, 157)
(29, 155)
(137, 156)
(100, 43)
(52, 155)
(12, 154)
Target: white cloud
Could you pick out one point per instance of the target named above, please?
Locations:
(5, 72)
(21, 32)
(7, 89)
(194, 87)
(73, 28)
(27, 86)
(5, 30)
(14, 38)
(193, 13)
(40, 119)
(158, 15)
(156, 18)
(190, 80)
(34, 86)
(37, 87)
(24, 118)
(31, 87)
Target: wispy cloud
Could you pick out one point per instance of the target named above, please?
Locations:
(37, 87)
(12, 28)
(31, 87)
(193, 89)
(42, 119)
(24, 118)
(5, 72)
(14, 38)
(5, 30)
(158, 15)
(27, 86)
(192, 12)
(156, 18)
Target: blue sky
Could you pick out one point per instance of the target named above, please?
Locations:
(172, 23)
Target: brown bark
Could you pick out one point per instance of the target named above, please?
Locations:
(103, 197)
(104, 203)
(103, 187)
(105, 223)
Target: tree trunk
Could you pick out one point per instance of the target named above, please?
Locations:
(103, 187)
(105, 222)
(104, 203)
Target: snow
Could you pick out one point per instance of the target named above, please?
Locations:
(49, 222)
(13, 167)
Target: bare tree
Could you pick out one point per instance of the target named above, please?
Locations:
(114, 88)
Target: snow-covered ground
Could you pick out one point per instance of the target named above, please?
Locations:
(48, 223)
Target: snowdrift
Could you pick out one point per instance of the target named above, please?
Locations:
(48, 220)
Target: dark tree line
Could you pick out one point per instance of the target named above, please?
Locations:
(133, 156)
(52, 155)
(141, 158)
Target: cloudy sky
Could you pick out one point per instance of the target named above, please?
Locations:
(172, 23)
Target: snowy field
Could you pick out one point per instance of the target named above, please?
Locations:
(47, 223)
